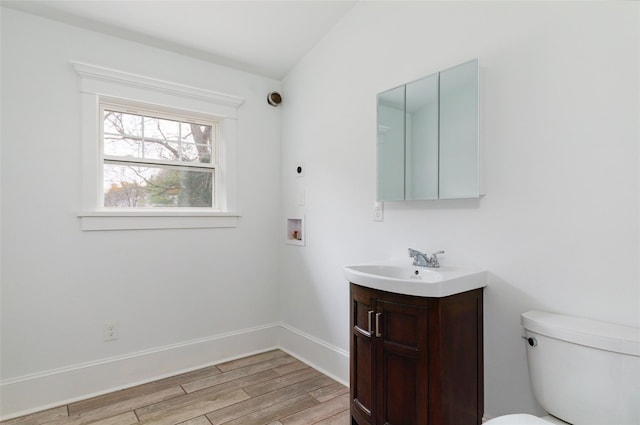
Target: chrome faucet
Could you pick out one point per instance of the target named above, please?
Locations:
(425, 260)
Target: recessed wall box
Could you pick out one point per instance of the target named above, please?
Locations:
(295, 231)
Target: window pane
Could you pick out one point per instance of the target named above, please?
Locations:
(156, 186)
(146, 137)
(196, 133)
(196, 153)
(122, 124)
(162, 150)
(197, 142)
(122, 146)
(157, 128)
(122, 133)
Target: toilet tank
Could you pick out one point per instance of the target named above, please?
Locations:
(583, 371)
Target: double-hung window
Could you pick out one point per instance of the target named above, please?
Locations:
(156, 154)
(152, 159)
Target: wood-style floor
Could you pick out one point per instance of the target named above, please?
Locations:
(271, 388)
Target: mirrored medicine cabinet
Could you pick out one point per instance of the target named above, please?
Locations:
(429, 138)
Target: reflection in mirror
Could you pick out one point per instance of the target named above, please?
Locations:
(391, 134)
(421, 173)
(429, 144)
(459, 132)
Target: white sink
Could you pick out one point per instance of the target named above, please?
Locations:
(420, 281)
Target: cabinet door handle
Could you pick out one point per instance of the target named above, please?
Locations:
(378, 334)
(370, 320)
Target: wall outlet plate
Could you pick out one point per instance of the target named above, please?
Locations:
(378, 211)
(111, 330)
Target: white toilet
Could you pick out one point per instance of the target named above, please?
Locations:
(583, 372)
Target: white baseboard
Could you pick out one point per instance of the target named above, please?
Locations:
(32, 393)
(322, 356)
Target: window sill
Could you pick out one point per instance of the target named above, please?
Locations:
(147, 220)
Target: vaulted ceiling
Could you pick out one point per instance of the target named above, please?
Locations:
(262, 37)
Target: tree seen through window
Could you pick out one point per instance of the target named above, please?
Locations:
(157, 162)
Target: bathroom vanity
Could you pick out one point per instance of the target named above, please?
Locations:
(416, 360)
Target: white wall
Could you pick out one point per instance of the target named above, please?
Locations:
(559, 227)
(165, 287)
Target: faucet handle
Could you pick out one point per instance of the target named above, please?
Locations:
(432, 260)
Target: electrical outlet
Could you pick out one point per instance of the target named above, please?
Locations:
(378, 211)
(111, 330)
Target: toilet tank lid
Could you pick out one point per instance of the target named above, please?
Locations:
(591, 333)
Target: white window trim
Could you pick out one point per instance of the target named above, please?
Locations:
(98, 82)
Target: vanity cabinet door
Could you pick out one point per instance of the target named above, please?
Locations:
(416, 360)
(362, 377)
(402, 344)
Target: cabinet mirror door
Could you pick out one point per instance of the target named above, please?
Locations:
(429, 137)
(421, 139)
(459, 164)
(391, 134)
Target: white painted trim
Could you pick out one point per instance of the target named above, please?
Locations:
(97, 79)
(39, 391)
(98, 83)
(146, 212)
(35, 392)
(327, 358)
(141, 220)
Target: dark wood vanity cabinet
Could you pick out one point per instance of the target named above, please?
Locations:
(416, 360)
